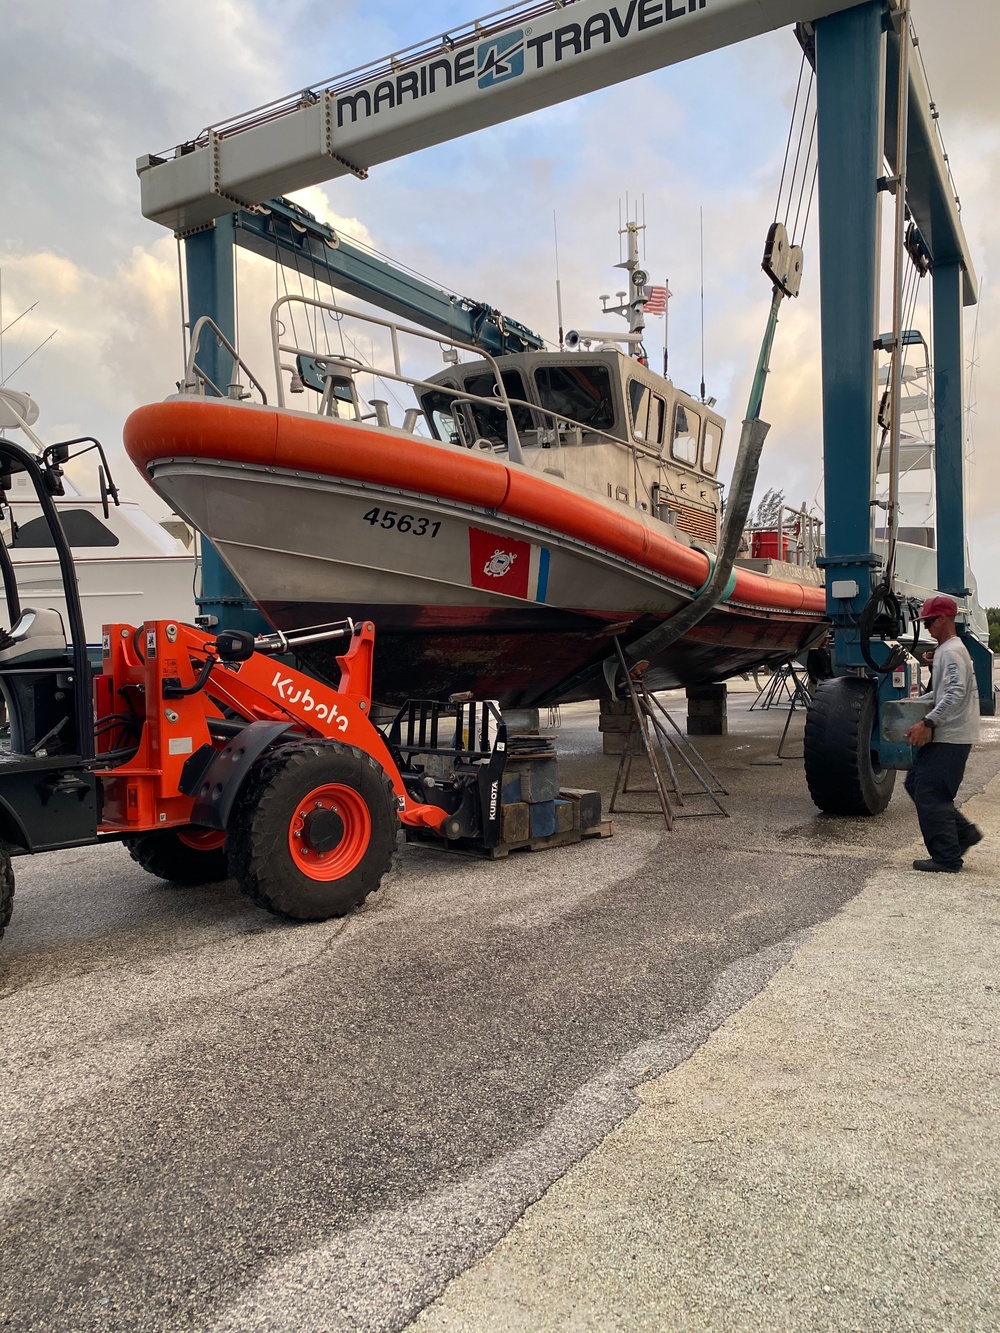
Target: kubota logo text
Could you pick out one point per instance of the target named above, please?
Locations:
(303, 702)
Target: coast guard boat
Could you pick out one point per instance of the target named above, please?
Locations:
(527, 506)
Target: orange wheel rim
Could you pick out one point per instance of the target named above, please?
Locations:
(329, 832)
(202, 839)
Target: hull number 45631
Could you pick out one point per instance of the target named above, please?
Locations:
(392, 518)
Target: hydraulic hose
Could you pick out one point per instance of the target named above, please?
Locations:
(741, 489)
(741, 492)
(883, 603)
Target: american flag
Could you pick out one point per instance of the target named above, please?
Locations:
(656, 300)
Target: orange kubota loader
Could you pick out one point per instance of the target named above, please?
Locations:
(210, 757)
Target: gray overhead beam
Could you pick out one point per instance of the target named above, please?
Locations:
(533, 55)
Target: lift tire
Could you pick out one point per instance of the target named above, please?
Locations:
(176, 856)
(314, 830)
(6, 889)
(842, 769)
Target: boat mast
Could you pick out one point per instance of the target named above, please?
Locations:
(632, 303)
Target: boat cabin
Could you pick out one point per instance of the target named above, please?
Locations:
(600, 419)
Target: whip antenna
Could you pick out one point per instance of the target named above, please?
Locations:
(701, 229)
(555, 236)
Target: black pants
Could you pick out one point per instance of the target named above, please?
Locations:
(933, 784)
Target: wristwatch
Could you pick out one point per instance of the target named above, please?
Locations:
(931, 726)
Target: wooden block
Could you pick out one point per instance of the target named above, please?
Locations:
(614, 722)
(567, 816)
(515, 822)
(716, 692)
(588, 803)
(511, 789)
(708, 726)
(542, 817)
(706, 708)
(539, 778)
(604, 829)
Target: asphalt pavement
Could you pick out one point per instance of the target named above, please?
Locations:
(212, 1119)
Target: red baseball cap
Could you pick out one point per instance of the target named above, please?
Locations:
(938, 605)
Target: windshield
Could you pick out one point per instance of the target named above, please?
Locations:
(437, 408)
(491, 422)
(577, 393)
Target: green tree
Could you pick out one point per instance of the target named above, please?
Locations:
(768, 511)
(993, 616)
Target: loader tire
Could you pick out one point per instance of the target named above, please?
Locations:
(6, 889)
(181, 856)
(842, 767)
(314, 830)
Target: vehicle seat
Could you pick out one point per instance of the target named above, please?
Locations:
(33, 636)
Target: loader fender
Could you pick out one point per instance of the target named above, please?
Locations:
(214, 779)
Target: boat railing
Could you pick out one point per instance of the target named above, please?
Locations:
(329, 370)
(198, 381)
(281, 348)
(794, 537)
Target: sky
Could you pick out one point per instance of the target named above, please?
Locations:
(699, 141)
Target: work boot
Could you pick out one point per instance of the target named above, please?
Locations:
(968, 837)
(938, 867)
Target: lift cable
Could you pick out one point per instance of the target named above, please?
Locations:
(791, 131)
(783, 265)
(810, 176)
(798, 176)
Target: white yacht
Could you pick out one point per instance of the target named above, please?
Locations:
(129, 566)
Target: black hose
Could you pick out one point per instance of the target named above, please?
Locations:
(737, 510)
(182, 691)
(883, 603)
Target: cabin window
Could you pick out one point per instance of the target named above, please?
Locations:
(437, 408)
(638, 395)
(684, 443)
(647, 413)
(577, 393)
(491, 422)
(654, 424)
(713, 447)
(82, 528)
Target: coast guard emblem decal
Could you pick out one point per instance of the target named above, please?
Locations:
(499, 564)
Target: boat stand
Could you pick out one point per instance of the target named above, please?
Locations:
(668, 751)
(801, 698)
(788, 682)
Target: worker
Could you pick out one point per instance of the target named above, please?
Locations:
(943, 740)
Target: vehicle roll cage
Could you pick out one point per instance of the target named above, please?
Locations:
(46, 478)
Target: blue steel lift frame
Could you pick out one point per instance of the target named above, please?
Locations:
(855, 72)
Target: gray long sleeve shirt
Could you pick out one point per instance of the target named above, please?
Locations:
(955, 693)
